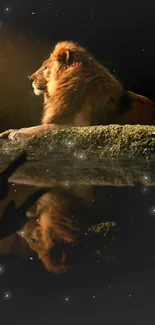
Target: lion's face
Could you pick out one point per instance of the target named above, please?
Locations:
(65, 55)
(40, 79)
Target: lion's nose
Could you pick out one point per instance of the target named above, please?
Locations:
(31, 78)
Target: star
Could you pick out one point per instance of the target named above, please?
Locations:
(144, 190)
(7, 10)
(7, 295)
(152, 210)
(67, 299)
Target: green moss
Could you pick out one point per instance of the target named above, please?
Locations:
(103, 227)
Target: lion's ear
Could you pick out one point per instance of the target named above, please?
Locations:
(64, 56)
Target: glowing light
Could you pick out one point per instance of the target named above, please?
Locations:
(7, 10)
(1, 269)
(7, 295)
(31, 258)
(147, 178)
(66, 184)
(70, 144)
(144, 190)
(79, 155)
(67, 299)
(152, 210)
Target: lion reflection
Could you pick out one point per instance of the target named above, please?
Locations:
(61, 216)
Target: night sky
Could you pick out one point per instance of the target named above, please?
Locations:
(120, 289)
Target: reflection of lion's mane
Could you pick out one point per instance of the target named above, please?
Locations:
(57, 222)
(79, 91)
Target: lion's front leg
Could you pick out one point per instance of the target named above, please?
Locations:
(25, 132)
(28, 132)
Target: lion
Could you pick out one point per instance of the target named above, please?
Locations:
(56, 222)
(79, 91)
(55, 225)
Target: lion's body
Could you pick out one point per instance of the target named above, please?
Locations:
(81, 92)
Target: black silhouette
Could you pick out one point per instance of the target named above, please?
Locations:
(14, 218)
(7, 172)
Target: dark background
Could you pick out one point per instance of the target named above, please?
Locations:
(121, 34)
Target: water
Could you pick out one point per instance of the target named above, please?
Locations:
(112, 266)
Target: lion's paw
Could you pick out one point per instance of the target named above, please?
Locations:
(6, 134)
(14, 135)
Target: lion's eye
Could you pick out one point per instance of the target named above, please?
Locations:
(45, 68)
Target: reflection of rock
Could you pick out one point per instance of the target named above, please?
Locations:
(108, 155)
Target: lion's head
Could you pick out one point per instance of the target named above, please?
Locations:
(64, 55)
(75, 86)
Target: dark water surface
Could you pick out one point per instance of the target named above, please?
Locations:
(112, 277)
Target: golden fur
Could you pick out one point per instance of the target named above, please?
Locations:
(57, 222)
(79, 91)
